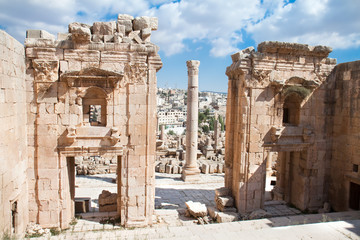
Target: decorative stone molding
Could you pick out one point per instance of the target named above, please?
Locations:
(261, 75)
(193, 67)
(45, 71)
(307, 134)
(92, 77)
(275, 133)
(71, 136)
(114, 135)
(135, 73)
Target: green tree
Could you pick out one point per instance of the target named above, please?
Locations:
(171, 132)
(205, 128)
(202, 117)
(221, 121)
(211, 123)
(207, 112)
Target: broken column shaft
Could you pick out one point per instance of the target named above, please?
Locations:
(191, 171)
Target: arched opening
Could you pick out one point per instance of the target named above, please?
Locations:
(94, 107)
(291, 109)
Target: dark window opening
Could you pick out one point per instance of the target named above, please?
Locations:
(291, 110)
(94, 108)
(355, 168)
(95, 115)
(286, 115)
(273, 183)
(14, 213)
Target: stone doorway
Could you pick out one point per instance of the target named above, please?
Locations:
(354, 198)
(82, 190)
(289, 185)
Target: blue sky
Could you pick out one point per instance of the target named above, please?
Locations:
(205, 30)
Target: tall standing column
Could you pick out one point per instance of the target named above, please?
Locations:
(191, 171)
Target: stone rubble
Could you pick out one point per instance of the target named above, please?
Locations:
(107, 201)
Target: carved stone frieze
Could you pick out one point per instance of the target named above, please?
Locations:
(135, 73)
(261, 75)
(45, 71)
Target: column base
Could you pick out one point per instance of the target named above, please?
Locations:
(190, 175)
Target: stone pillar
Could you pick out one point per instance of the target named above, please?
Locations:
(217, 131)
(191, 171)
(162, 132)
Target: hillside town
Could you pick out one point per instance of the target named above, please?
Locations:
(172, 117)
(171, 107)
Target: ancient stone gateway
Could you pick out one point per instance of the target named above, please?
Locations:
(92, 92)
(276, 123)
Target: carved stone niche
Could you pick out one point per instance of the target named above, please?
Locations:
(92, 77)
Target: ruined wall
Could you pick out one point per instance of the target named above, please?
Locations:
(13, 151)
(109, 64)
(344, 103)
(261, 85)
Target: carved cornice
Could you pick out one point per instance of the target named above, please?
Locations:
(92, 77)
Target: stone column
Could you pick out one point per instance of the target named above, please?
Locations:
(217, 131)
(162, 132)
(191, 171)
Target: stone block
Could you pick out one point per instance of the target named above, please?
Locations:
(212, 212)
(107, 201)
(219, 192)
(141, 23)
(39, 34)
(154, 23)
(168, 168)
(127, 24)
(103, 28)
(135, 36)
(145, 34)
(212, 168)
(225, 201)
(196, 209)
(205, 168)
(175, 169)
(226, 217)
(161, 168)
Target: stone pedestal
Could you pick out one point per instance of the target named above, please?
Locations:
(191, 171)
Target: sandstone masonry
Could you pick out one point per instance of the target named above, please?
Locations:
(90, 92)
(290, 113)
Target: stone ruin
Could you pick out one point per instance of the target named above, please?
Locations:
(89, 95)
(291, 107)
(171, 153)
(292, 113)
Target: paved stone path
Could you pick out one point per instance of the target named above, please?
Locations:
(170, 222)
(342, 225)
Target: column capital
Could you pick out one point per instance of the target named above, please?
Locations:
(193, 67)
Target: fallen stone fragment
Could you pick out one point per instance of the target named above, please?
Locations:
(196, 209)
(226, 217)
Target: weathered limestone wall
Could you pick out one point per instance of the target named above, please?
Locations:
(261, 85)
(13, 149)
(109, 64)
(344, 103)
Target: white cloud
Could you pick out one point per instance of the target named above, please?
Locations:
(213, 21)
(322, 22)
(218, 23)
